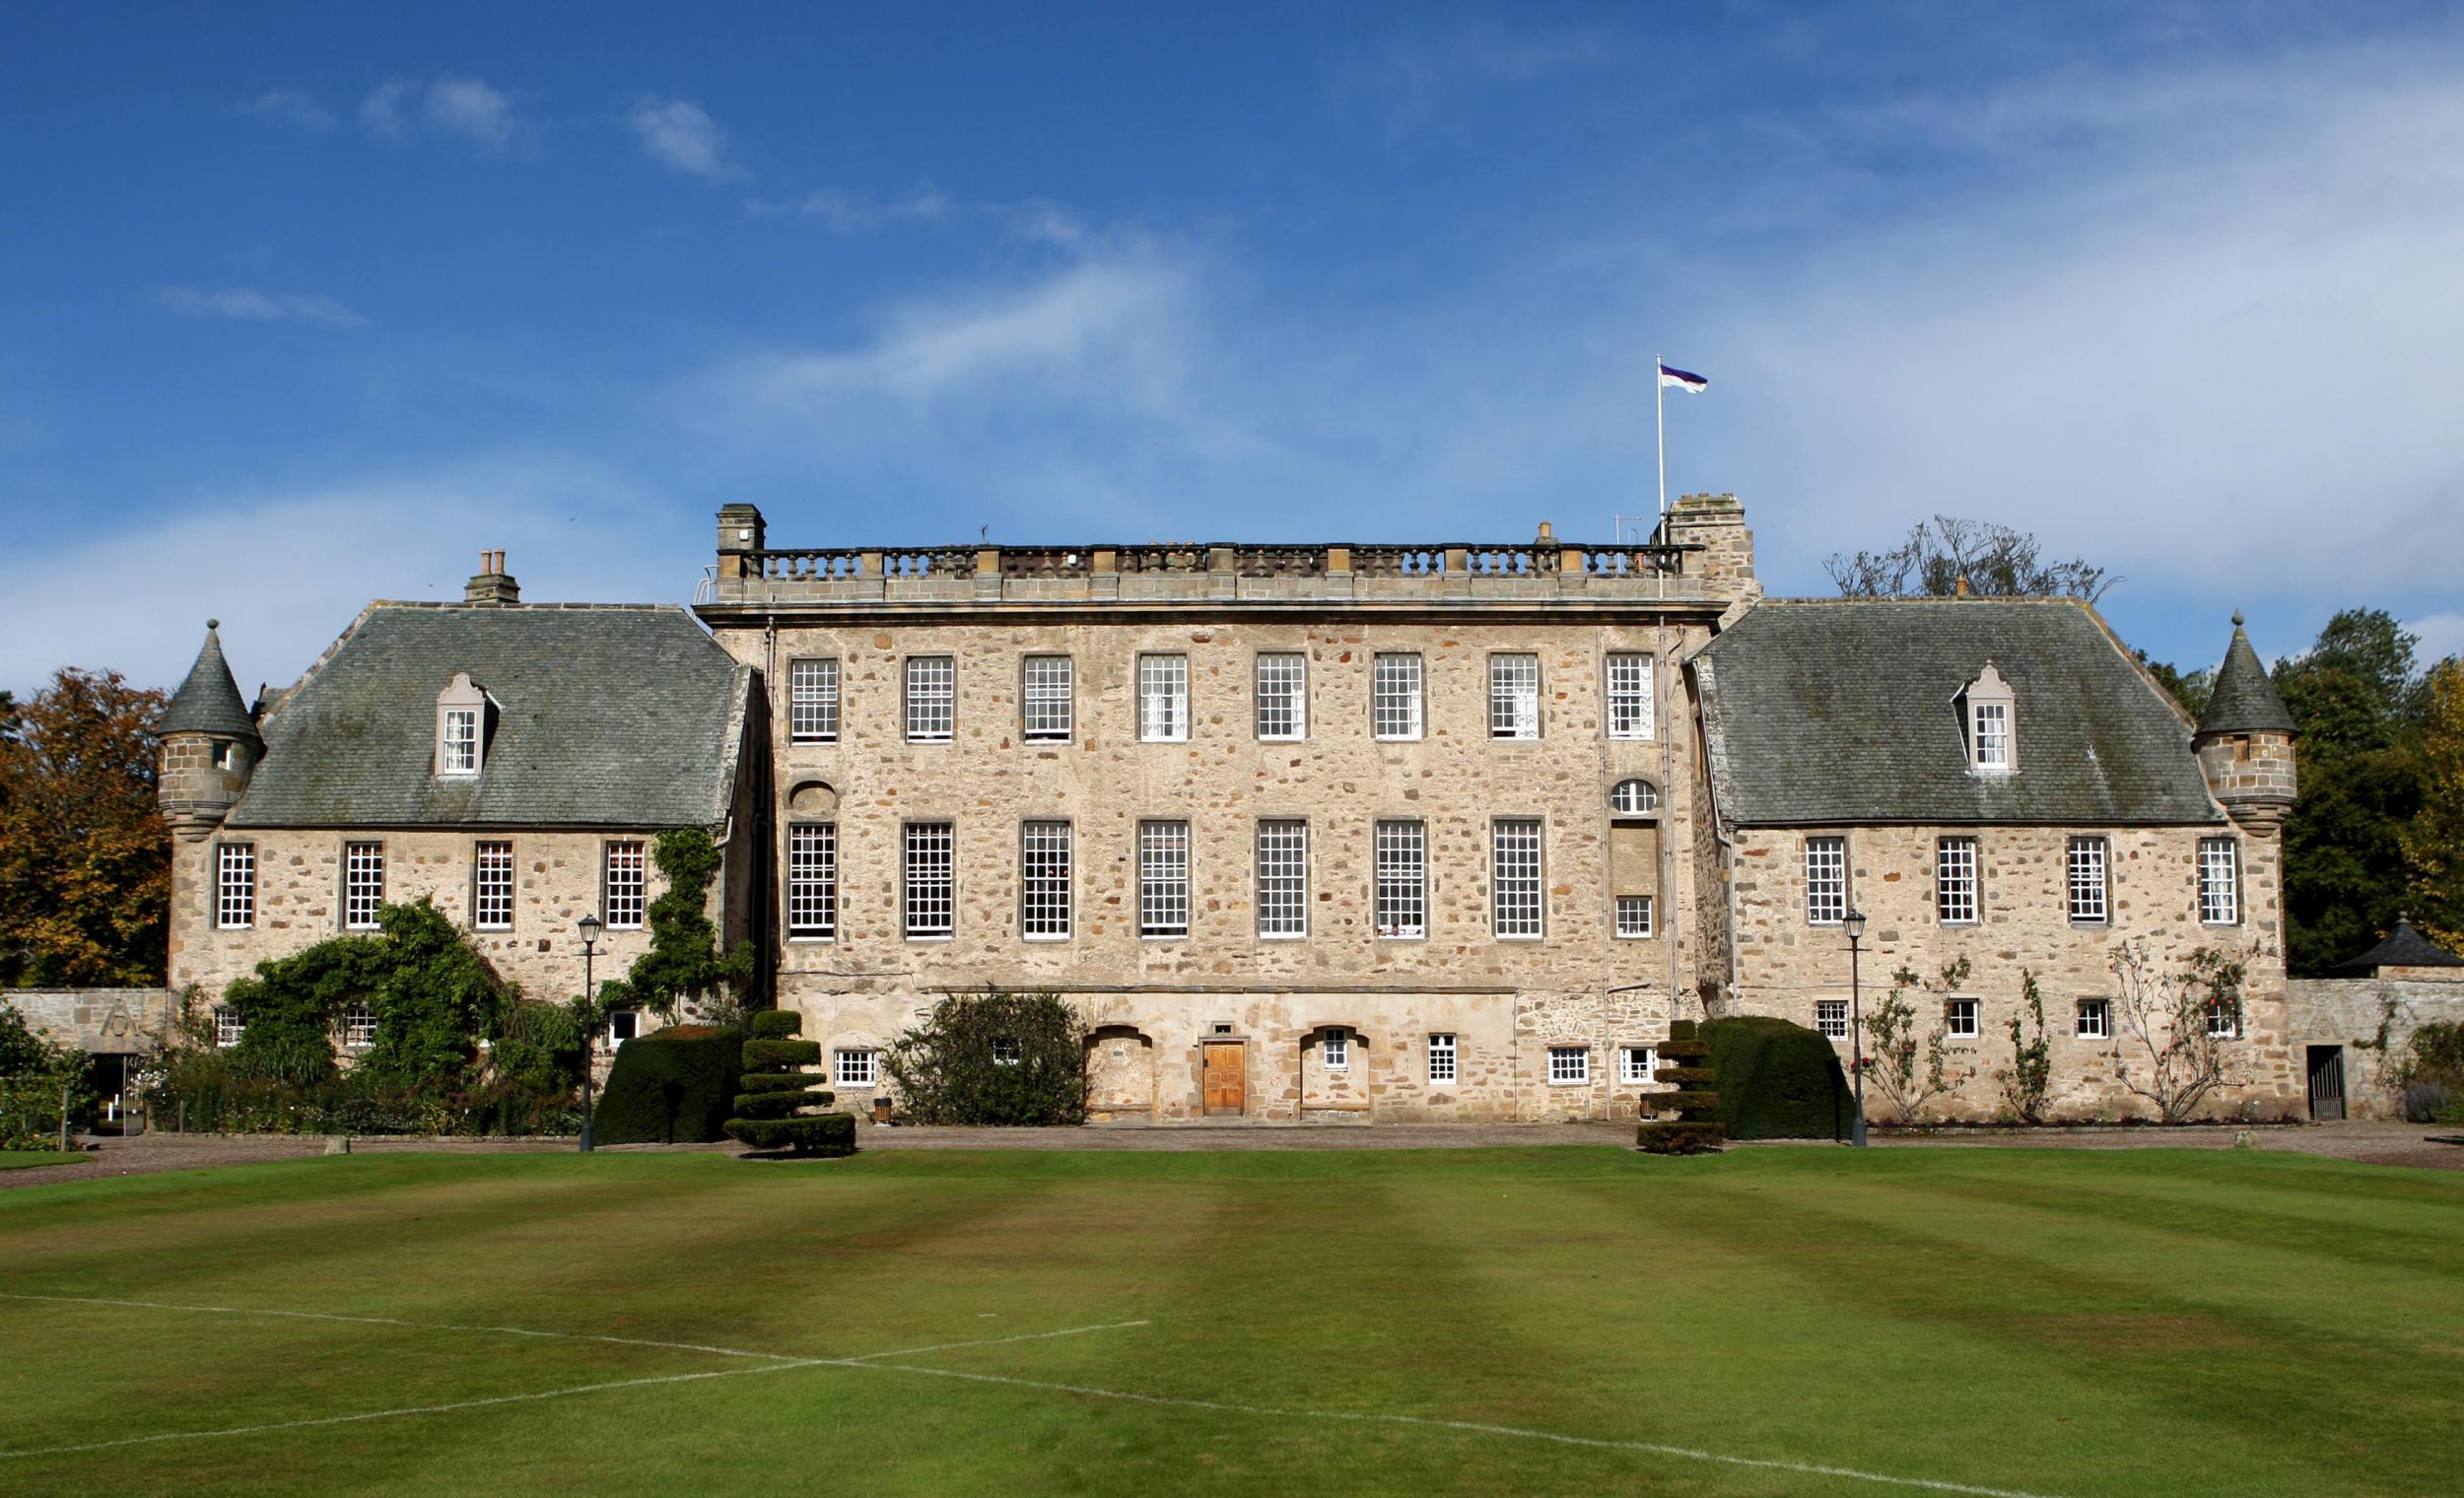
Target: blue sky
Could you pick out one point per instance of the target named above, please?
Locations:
(308, 305)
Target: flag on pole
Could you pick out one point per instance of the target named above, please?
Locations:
(1683, 379)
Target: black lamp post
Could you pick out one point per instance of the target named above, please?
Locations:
(1856, 1022)
(591, 1024)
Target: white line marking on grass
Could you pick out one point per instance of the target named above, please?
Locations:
(412, 1409)
(785, 1364)
(1688, 1453)
(387, 1320)
(993, 1341)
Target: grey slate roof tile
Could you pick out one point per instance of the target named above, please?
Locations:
(1838, 713)
(209, 701)
(2405, 947)
(605, 716)
(2244, 701)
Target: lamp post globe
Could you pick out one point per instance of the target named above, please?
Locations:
(1855, 925)
(590, 929)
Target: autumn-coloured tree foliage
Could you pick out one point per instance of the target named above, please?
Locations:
(85, 856)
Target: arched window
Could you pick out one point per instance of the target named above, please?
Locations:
(1634, 798)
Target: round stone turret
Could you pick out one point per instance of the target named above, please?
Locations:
(2244, 741)
(210, 744)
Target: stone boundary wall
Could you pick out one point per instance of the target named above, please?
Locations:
(98, 1021)
(2347, 1012)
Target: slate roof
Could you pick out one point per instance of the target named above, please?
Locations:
(603, 716)
(2244, 701)
(2405, 947)
(1840, 712)
(209, 701)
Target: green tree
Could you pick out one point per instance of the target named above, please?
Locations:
(85, 856)
(2358, 707)
(2191, 689)
(2433, 840)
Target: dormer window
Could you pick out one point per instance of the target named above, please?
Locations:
(1987, 705)
(461, 728)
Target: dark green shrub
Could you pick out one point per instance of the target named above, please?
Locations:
(1776, 1080)
(828, 1134)
(767, 1054)
(774, 1081)
(2435, 1054)
(993, 1056)
(767, 1111)
(671, 1086)
(1696, 1128)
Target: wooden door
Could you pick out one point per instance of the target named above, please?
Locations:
(1226, 1087)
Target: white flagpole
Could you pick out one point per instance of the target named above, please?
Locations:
(1659, 397)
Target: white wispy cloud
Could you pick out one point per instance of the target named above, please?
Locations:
(247, 304)
(468, 108)
(2203, 330)
(1111, 331)
(680, 135)
(849, 215)
(2441, 636)
(292, 107)
(575, 531)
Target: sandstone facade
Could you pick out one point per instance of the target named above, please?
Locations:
(1769, 721)
(1789, 966)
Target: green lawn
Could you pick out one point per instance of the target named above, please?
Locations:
(21, 1159)
(2047, 1322)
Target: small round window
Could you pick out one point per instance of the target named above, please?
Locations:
(1633, 798)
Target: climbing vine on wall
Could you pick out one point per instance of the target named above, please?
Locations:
(684, 965)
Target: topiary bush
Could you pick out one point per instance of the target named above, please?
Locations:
(671, 1086)
(1776, 1080)
(1696, 1130)
(769, 1111)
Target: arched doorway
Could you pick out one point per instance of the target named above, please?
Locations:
(1119, 1074)
(1335, 1074)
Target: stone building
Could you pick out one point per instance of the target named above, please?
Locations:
(1330, 833)
(1352, 831)
(508, 762)
(1996, 784)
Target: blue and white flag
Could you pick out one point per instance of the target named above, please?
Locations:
(1683, 381)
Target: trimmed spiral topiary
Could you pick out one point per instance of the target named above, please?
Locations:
(774, 1092)
(1696, 1128)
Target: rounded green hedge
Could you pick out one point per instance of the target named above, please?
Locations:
(777, 1025)
(671, 1086)
(1777, 1080)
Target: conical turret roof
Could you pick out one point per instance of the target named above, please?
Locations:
(2244, 700)
(209, 701)
(2405, 947)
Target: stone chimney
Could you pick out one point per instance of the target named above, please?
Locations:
(1726, 564)
(740, 531)
(492, 585)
